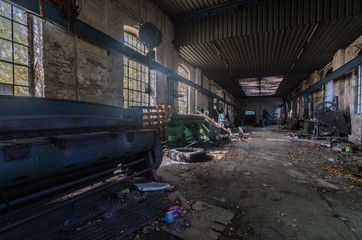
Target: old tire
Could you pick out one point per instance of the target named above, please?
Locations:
(187, 154)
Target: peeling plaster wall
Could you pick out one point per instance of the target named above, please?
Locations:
(344, 88)
(67, 67)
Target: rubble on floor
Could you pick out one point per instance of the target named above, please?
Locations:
(275, 187)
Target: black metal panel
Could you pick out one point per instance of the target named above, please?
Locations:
(265, 16)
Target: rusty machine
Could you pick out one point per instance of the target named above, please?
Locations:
(49, 144)
(331, 119)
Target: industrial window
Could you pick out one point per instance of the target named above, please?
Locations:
(139, 83)
(359, 89)
(328, 96)
(14, 51)
(182, 100)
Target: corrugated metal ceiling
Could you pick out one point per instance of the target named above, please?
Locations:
(179, 7)
(266, 40)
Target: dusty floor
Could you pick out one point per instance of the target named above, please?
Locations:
(275, 187)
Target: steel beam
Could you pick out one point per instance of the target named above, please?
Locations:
(336, 74)
(99, 38)
(218, 9)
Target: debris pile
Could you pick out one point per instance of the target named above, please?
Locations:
(341, 169)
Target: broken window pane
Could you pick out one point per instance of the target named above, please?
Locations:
(6, 73)
(5, 28)
(6, 50)
(20, 54)
(21, 75)
(19, 15)
(21, 91)
(20, 34)
(5, 9)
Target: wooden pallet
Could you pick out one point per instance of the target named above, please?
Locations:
(155, 117)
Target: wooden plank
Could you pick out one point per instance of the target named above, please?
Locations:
(213, 122)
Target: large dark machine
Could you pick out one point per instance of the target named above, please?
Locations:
(331, 118)
(47, 140)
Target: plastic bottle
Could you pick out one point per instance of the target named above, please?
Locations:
(168, 218)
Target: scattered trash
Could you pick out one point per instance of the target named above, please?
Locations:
(152, 186)
(66, 222)
(172, 213)
(168, 218)
(331, 160)
(175, 210)
(349, 149)
(123, 192)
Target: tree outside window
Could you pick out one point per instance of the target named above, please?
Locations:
(14, 51)
(139, 83)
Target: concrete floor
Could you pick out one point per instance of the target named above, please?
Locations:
(275, 186)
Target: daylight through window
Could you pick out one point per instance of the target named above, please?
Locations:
(139, 83)
(182, 95)
(14, 51)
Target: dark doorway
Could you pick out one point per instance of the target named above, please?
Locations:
(250, 117)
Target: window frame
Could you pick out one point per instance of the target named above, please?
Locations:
(16, 65)
(183, 89)
(359, 89)
(138, 80)
(328, 91)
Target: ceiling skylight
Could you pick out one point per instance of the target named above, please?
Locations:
(264, 86)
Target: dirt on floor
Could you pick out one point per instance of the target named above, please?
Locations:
(267, 185)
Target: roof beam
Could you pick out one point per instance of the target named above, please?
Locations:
(221, 8)
(334, 75)
(266, 17)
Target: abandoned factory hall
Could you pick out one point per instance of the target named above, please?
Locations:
(180, 119)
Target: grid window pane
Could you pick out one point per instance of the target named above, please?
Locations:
(20, 54)
(21, 75)
(6, 50)
(6, 73)
(6, 89)
(136, 80)
(5, 9)
(21, 91)
(19, 15)
(20, 33)
(5, 28)
(14, 51)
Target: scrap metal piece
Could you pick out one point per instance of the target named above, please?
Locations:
(331, 115)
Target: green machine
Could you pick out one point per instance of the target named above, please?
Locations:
(183, 129)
